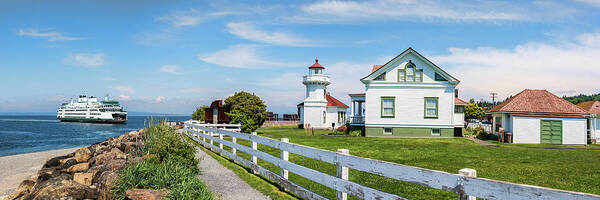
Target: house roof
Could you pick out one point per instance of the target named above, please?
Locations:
(316, 65)
(375, 68)
(458, 101)
(410, 49)
(592, 107)
(331, 101)
(537, 101)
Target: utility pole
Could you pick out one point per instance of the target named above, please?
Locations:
(493, 95)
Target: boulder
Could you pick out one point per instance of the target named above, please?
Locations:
(112, 165)
(78, 167)
(105, 184)
(53, 162)
(46, 173)
(130, 146)
(105, 157)
(68, 163)
(83, 178)
(83, 154)
(142, 194)
(23, 189)
(61, 187)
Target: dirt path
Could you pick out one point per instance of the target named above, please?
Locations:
(481, 142)
(16, 168)
(222, 181)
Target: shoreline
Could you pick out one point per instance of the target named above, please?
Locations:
(16, 168)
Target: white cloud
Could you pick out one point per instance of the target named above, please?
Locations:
(565, 67)
(191, 17)
(123, 97)
(85, 59)
(160, 99)
(172, 69)
(125, 89)
(52, 36)
(241, 56)
(392, 10)
(248, 31)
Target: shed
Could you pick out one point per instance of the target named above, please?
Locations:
(540, 117)
(593, 108)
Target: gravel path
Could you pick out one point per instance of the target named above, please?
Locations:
(223, 182)
(16, 168)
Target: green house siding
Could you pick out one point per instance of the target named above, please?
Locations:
(407, 132)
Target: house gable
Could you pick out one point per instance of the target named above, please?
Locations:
(409, 66)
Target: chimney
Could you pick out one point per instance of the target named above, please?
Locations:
(456, 93)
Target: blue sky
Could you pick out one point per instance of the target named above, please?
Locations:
(171, 56)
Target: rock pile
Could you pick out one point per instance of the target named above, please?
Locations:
(87, 173)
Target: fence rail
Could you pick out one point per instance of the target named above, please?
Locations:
(463, 184)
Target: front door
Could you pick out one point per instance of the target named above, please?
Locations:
(551, 131)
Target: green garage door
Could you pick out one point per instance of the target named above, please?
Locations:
(551, 131)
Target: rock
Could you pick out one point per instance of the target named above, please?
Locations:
(130, 146)
(112, 165)
(83, 154)
(78, 167)
(61, 187)
(102, 158)
(141, 194)
(105, 184)
(83, 178)
(23, 189)
(46, 173)
(53, 162)
(68, 163)
(116, 164)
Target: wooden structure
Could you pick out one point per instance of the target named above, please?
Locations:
(465, 184)
(215, 114)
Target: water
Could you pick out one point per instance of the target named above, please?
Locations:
(26, 133)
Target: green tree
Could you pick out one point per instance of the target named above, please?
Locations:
(246, 109)
(473, 111)
(199, 113)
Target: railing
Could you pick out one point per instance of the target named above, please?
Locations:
(315, 78)
(486, 127)
(357, 119)
(228, 127)
(465, 184)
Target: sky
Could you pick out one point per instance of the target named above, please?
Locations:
(173, 56)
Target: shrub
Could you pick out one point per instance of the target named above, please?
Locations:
(199, 113)
(355, 133)
(342, 128)
(246, 109)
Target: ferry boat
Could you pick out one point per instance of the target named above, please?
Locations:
(89, 109)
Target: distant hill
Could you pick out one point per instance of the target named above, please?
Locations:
(582, 98)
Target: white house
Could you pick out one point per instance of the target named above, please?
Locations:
(593, 109)
(540, 117)
(409, 96)
(319, 109)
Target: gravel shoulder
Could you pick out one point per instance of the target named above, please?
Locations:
(16, 168)
(224, 183)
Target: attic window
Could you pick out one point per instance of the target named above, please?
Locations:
(381, 77)
(439, 77)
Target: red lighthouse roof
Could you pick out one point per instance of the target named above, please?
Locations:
(316, 65)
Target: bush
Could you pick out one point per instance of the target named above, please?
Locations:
(342, 128)
(199, 113)
(246, 109)
(355, 133)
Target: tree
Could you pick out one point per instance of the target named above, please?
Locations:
(473, 111)
(246, 109)
(199, 113)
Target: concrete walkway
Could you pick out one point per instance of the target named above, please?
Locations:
(16, 168)
(481, 142)
(222, 181)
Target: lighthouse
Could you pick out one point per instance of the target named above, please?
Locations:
(319, 109)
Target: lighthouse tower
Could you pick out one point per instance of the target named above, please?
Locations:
(319, 109)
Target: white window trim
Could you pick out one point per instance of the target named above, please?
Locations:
(388, 133)
(439, 133)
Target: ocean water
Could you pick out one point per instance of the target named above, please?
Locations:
(26, 133)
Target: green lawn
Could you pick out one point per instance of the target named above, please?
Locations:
(568, 169)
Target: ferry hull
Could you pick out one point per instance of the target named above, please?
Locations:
(102, 121)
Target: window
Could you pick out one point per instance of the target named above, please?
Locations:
(431, 107)
(387, 107)
(439, 77)
(436, 131)
(459, 109)
(419, 76)
(387, 130)
(324, 117)
(401, 75)
(341, 117)
(381, 77)
(410, 73)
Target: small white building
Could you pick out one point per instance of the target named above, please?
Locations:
(593, 108)
(409, 96)
(319, 109)
(540, 117)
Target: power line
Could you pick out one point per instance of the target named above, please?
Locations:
(493, 95)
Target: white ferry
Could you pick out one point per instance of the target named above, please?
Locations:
(89, 109)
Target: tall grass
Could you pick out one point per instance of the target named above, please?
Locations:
(169, 164)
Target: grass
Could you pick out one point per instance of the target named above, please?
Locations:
(567, 169)
(169, 165)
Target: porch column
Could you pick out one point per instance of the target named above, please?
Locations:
(360, 109)
(352, 109)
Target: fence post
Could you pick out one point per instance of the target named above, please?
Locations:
(233, 150)
(221, 144)
(255, 147)
(204, 138)
(211, 139)
(342, 172)
(284, 156)
(468, 173)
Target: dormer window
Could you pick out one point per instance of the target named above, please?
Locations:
(439, 77)
(410, 73)
(381, 77)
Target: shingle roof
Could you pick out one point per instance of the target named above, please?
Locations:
(331, 101)
(458, 101)
(375, 68)
(592, 107)
(537, 101)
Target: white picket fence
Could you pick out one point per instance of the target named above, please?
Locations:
(465, 184)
